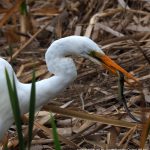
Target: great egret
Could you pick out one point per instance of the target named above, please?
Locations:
(61, 66)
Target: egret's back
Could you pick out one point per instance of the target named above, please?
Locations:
(6, 117)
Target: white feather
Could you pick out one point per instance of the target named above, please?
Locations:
(62, 67)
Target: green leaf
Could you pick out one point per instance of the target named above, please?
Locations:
(5, 147)
(15, 108)
(31, 110)
(10, 50)
(23, 8)
(55, 135)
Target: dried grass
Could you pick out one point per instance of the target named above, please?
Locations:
(121, 28)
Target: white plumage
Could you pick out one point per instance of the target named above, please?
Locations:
(62, 67)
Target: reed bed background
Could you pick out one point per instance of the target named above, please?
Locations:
(86, 113)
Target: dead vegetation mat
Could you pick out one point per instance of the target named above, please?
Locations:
(122, 29)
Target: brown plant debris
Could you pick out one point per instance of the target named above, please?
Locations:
(122, 29)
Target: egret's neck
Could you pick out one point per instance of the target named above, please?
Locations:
(47, 89)
(62, 67)
(64, 73)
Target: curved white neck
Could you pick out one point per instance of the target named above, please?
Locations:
(64, 71)
(62, 67)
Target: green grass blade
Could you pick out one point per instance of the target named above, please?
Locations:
(15, 108)
(5, 147)
(31, 110)
(23, 8)
(10, 51)
(55, 135)
(17, 115)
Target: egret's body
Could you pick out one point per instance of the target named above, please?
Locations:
(62, 67)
